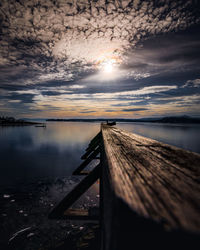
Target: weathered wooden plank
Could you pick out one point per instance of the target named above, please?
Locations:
(156, 180)
(67, 202)
(87, 161)
(148, 186)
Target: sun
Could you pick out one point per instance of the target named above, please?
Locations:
(107, 66)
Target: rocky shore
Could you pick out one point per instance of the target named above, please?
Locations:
(24, 210)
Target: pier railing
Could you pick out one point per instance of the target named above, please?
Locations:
(149, 191)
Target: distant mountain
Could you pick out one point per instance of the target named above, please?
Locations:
(178, 119)
(171, 119)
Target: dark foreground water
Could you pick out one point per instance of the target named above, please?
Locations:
(36, 166)
(29, 153)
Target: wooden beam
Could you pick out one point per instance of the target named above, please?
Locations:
(150, 191)
(91, 149)
(60, 209)
(87, 161)
(96, 138)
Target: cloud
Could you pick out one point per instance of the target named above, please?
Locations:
(167, 55)
(51, 39)
(184, 100)
(138, 92)
(134, 109)
(109, 110)
(53, 52)
(192, 83)
(76, 86)
(135, 101)
(87, 112)
(185, 104)
(72, 95)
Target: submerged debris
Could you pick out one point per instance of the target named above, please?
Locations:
(6, 196)
(17, 234)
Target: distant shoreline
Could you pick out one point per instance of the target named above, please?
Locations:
(18, 124)
(182, 119)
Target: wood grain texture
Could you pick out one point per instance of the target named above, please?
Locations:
(155, 180)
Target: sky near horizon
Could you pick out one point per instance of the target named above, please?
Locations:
(99, 58)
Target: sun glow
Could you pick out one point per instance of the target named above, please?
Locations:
(108, 67)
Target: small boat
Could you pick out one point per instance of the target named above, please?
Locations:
(111, 123)
(41, 126)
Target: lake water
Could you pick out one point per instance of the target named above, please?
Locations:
(31, 153)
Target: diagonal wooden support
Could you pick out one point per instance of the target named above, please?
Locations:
(87, 161)
(96, 138)
(90, 149)
(60, 211)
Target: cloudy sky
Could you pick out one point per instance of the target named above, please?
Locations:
(99, 58)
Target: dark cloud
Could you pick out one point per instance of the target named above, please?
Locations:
(51, 108)
(192, 83)
(50, 93)
(109, 110)
(138, 101)
(87, 112)
(134, 109)
(24, 98)
(167, 55)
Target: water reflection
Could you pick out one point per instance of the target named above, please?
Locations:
(29, 152)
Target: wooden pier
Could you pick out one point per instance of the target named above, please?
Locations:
(149, 192)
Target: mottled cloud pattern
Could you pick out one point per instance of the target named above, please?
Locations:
(51, 54)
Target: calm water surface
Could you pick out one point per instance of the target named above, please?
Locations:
(29, 153)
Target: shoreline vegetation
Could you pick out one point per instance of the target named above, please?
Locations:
(170, 119)
(11, 121)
